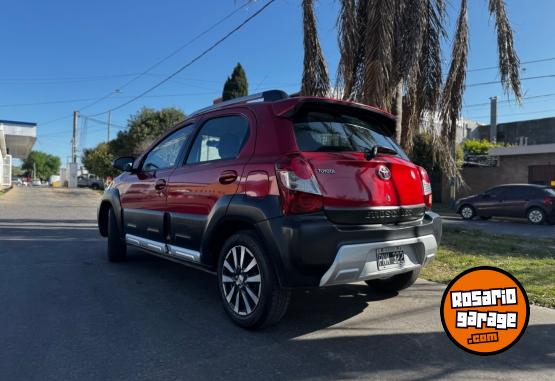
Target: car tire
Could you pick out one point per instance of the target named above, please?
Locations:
(117, 249)
(536, 216)
(467, 212)
(249, 288)
(95, 187)
(394, 283)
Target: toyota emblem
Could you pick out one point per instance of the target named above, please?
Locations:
(383, 172)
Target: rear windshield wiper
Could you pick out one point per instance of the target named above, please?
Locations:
(371, 153)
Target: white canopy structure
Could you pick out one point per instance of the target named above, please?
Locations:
(16, 141)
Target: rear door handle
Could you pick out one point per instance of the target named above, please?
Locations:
(228, 177)
(160, 184)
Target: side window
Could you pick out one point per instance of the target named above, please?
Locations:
(514, 193)
(532, 193)
(495, 192)
(165, 154)
(219, 139)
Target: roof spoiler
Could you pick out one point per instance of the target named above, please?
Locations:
(266, 96)
(289, 110)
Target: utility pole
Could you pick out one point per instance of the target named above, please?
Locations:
(74, 139)
(493, 120)
(109, 124)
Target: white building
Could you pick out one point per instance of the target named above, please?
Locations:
(16, 141)
(465, 127)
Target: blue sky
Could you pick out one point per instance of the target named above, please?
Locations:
(78, 51)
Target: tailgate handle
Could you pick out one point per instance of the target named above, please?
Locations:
(228, 177)
(160, 184)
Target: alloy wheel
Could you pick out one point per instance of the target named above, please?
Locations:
(241, 280)
(535, 216)
(467, 212)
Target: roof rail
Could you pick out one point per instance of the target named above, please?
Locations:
(266, 96)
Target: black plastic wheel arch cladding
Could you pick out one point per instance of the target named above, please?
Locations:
(109, 198)
(237, 212)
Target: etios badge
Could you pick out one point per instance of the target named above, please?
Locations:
(383, 172)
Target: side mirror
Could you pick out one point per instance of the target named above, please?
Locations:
(124, 163)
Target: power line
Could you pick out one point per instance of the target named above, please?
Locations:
(509, 101)
(86, 99)
(103, 122)
(131, 96)
(56, 120)
(59, 133)
(516, 113)
(498, 81)
(63, 80)
(87, 78)
(522, 63)
(172, 54)
(46, 102)
(205, 52)
(194, 39)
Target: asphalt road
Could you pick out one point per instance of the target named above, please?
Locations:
(68, 314)
(499, 226)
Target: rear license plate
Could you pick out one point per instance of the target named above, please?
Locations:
(390, 258)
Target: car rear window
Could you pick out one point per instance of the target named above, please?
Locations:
(549, 192)
(327, 132)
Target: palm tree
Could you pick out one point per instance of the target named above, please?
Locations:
(391, 55)
(315, 74)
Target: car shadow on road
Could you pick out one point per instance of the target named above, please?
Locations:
(310, 309)
(315, 339)
(165, 321)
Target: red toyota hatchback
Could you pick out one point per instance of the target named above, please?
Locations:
(271, 192)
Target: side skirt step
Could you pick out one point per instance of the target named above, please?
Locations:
(163, 248)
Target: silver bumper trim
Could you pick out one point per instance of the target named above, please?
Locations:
(355, 263)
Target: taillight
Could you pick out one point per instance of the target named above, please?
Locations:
(426, 187)
(298, 186)
(548, 201)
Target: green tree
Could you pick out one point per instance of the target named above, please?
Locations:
(143, 128)
(46, 165)
(478, 147)
(17, 171)
(423, 153)
(98, 160)
(236, 85)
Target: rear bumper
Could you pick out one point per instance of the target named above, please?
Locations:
(311, 251)
(355, 263)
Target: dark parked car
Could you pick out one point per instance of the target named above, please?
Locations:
(534, 202)
(271, 192)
